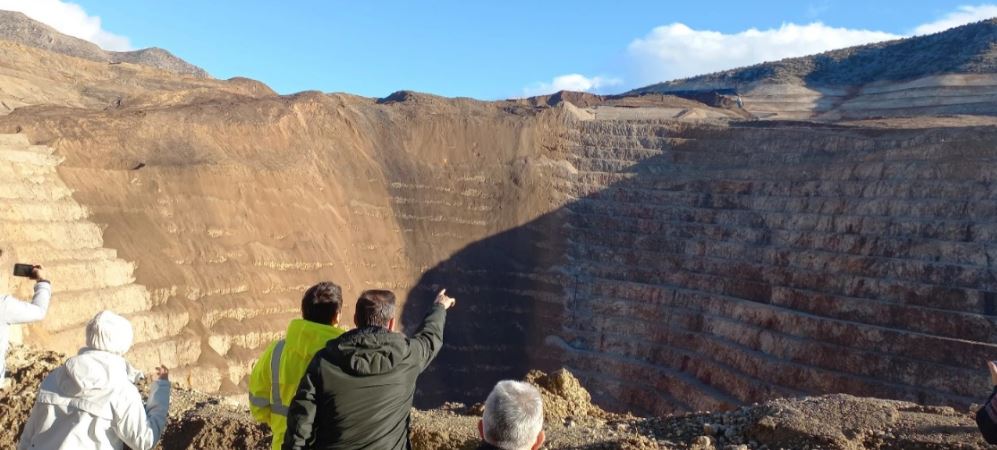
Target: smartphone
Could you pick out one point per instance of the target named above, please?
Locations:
(24, 270)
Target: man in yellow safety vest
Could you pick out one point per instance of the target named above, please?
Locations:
(276, 375)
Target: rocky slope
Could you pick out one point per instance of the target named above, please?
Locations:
(17, 27)
(299, 189)
(41, 222)
(673, 253)
(842, 422)
(31, 76)
(703, 266)
(950, 72)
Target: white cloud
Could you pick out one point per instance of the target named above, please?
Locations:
(571, 82)
(677, 51)
(69, 18)
(961, 16)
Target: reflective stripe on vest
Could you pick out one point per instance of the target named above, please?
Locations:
(259, 402)
(278, 404)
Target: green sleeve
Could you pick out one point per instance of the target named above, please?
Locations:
(428, 341)
(301, 412)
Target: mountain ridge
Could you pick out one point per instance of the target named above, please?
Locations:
(18, 27)
(844, 67)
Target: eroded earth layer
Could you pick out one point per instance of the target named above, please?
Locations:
(676, 255)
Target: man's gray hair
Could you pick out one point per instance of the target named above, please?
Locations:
(514, 415)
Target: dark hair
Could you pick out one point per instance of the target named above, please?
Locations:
(322, 302)
(375, 308)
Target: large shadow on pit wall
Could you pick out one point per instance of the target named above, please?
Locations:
(517, 289)
(509, 297)
(513, 292)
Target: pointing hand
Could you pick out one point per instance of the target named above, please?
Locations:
(442, 299)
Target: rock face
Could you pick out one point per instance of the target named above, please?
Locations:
(673, 255)
(699, 266)
(233, 215)
(42, 224)
(682, 266)
(717, 266)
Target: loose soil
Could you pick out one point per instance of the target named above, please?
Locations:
(200, 421)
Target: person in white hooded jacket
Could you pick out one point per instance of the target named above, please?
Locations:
(14, 311)
(90, 402)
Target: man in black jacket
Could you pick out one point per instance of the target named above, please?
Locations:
(986, 417)
(358, 390)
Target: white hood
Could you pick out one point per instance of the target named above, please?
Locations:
(109, 332)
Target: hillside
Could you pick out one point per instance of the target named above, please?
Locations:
(19, 28)
(34, 77)
(943, 73)
(674, 253)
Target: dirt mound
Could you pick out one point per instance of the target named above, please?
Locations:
(563, 395)
(199, 421)
(847, 422)
(206, 429)
(841, 422)
(835, 421)
(25, 370)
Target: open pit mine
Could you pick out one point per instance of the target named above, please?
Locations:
(835, 233)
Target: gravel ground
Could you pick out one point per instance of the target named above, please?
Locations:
(199, 421)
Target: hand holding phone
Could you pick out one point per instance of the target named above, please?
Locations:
(27, 271)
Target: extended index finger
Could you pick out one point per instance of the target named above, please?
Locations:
(442, 292)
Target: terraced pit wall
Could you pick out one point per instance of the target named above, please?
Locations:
(699, 267)
(41, 223)
(673, 265)
(229, 211)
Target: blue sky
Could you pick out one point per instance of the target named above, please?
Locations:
(489, 50)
